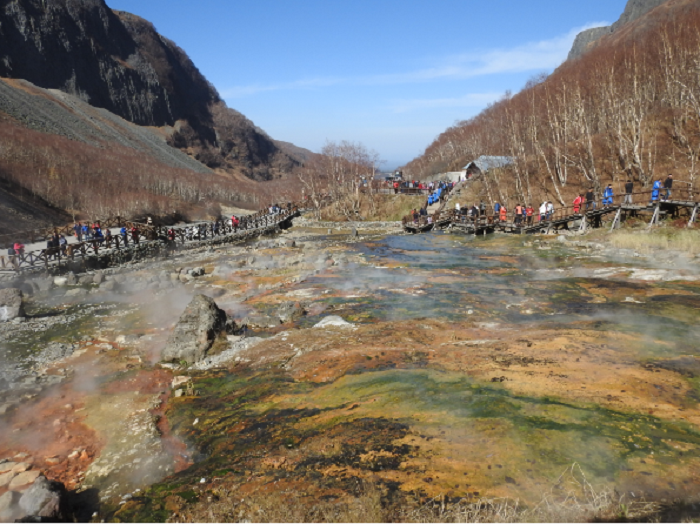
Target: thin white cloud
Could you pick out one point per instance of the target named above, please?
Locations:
(468, 100)
(309, 83)
(532, 56)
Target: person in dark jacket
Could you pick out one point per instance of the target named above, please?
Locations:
(590, 199)
(668, 185)
(629, 189)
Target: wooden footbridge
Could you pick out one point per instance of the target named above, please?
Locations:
(144, 240)
(581, 218)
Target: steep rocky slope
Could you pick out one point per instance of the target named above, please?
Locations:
(117, 61)
(634, 9)
(58, 113)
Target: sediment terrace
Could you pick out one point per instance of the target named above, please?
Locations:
(464, 369)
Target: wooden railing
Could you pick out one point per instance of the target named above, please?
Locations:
(138, 234)
(681, 196)
(34, 235)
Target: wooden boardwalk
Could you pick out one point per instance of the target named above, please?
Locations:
(148, 240)
(568, 218)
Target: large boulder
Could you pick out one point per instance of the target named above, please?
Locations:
(44, 499)
(195, 332)
(10, 304)
(9, 506)
(290, 312)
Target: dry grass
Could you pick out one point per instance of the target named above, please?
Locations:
(227, 506)
(395, 207)
(571, 499)
(386, 208)
(666, 239)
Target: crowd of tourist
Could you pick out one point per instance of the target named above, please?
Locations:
(93, 234)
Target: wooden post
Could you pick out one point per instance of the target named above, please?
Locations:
(693, 216)
(584, 225)
(655, 216)
(616, 220)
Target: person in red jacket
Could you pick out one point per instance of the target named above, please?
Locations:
(578, 202)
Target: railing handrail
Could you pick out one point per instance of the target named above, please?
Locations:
(146, 233)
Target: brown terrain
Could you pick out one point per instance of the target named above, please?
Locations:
(124, 108)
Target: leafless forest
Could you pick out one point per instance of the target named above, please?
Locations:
(627, 109)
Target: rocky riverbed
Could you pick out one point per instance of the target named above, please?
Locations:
(425, 367)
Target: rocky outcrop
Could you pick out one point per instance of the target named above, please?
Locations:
(10, 304)
(585, 39)
(634, 9)
(195, 332)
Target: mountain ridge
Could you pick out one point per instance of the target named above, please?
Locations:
(634, 9)
(118, 61)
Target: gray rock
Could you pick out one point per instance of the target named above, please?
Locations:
(195, 332)
(198, 272)
(109, 286)
(78, 292)
(9, 507)
(60, 281)
(43, 499)
(333, 321)
(10, 304)
(290, 312)
(635, 9)
(587, 39)
(44, 284)
(287, 242)
(258, 320)
(70, 279)
(98, 279)
(86, 279)
(55, 351)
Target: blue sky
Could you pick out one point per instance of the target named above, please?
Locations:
(390, 74)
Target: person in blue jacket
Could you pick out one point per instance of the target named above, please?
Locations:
(655, 191)
(608, 196)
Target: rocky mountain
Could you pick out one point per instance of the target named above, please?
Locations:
(119, 62)
(634, 9)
